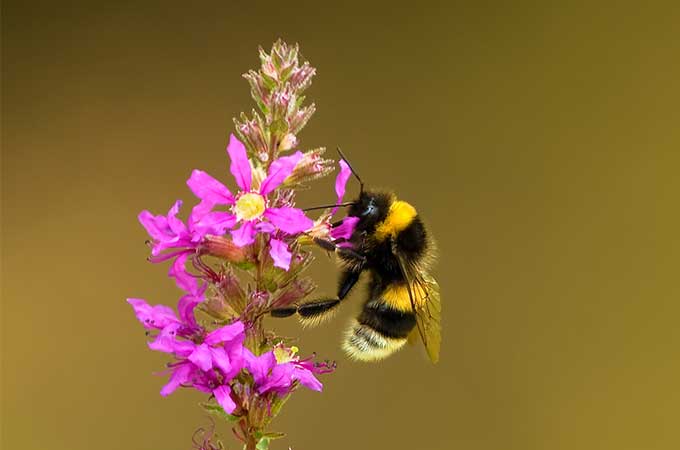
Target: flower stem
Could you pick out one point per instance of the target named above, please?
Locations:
(249, 434)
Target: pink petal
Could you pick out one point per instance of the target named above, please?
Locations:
(156, 226)
(220, 358)
(167, 342)
(150, 224)
(202, 357)
(179, 376)
(224, 334)
(158, 316)
(341, 181)
(240, 166)
(235, 351)
(176, 225)
(183, 279)
(279, 380)
(167, 232)
(280, 253)
(265, 227)
(208, 189)
(279, 171)
(223, 397)
(187, 304)
(259, 366)
(182, 349)
(216, 222)
(307, 379)
(244, 235)
(345, 229)
(289, 220)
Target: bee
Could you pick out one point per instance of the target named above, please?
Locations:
(392, 245)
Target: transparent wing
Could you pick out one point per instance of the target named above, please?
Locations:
(423, 291)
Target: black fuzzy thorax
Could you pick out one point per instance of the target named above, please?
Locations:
(412, 243)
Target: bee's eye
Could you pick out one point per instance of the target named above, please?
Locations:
(370, 209)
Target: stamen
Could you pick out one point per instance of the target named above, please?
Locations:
(166, 256)
(201, 266)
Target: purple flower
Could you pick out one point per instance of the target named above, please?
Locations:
(205, 361)
(345, 229)
(277, 370)
(249, 207)
(169, 232)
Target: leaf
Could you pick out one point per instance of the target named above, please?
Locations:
(277, 404)
(274, 435)
(263, 443)
(245, 265)
(216, 410)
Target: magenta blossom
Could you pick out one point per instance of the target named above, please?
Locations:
(277, 370)
(208, 366)
(205, 361)
(250, 206)
(169, 232)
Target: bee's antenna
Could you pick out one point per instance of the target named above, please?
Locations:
(328, 206)
(344, 158)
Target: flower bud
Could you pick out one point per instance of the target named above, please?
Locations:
(298, 121)
(288, 142)
(301, 77)
(310, 167)
(227, 299)
(224, 248)
(252, 134)
(259, 90)
(320, 230)
(283, 102)
(295, 291)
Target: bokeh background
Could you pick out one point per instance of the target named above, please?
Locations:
(539, 140)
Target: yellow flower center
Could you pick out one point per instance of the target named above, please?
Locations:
(249, 206)
(284, 355)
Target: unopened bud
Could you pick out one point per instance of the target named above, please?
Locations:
(295, 291)
(288, 142)
(298, 121)
(311, 166)
(224, 248)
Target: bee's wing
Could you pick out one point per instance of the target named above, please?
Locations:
(428, 312)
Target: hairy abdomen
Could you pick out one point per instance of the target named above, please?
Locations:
(380, 330)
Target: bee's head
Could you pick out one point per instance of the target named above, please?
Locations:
(371, 208)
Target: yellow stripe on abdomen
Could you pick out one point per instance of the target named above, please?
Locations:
(396, 296)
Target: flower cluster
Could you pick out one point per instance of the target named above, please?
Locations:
(216, 338)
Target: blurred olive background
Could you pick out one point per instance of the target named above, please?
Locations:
(539, 140)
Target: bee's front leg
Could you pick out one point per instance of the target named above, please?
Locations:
(342, 251)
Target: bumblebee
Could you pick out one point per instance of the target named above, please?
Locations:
(392, 245)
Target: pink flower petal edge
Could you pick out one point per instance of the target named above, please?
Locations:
(240, 165)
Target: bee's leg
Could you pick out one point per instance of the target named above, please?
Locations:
(284, 312)
(317, 309)
(342, 251)
(348, 278)
(320, 309)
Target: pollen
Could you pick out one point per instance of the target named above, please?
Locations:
(284, 355)
(249, 206)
